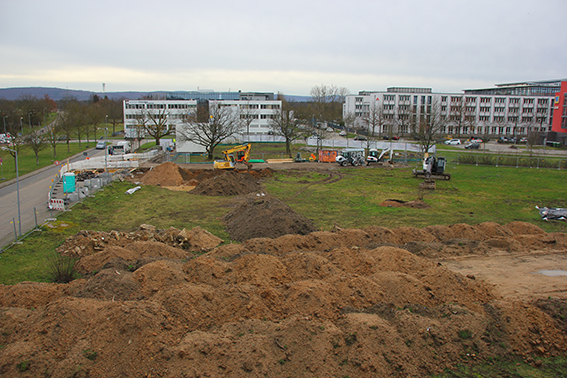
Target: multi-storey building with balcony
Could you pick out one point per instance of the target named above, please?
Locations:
(505, 110)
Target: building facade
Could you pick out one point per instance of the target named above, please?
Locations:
(514, 109)
(252, 112)
(140, 112)
(560, 110)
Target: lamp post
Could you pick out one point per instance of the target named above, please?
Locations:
(105, 136)
(22, 125)
(17, 188)
(29, 120)
(4, 118)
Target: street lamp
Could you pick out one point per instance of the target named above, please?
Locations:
(22, 125)
(29, 120)
(105, 136)
(17, 188)
(4, 118)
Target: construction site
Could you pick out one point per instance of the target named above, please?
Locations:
(283, 298)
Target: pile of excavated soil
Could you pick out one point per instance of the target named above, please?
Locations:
(261, 215)
(400, 203)
(173, 177)
(342, 303)
(87, 243)
(166, 174)
(228, 183)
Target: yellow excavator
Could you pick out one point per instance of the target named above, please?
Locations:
(238, 154)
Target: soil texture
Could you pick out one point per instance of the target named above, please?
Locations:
(359, 303)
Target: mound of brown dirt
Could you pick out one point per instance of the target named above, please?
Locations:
(166, 174)
(227, 184)
(86, 243)
(264, 216)
(400, 203)
(323, 304)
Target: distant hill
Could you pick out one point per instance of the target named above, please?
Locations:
(58, 94)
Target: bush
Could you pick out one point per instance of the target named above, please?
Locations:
(62, 268)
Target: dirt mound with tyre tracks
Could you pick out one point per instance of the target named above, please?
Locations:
(364, 303)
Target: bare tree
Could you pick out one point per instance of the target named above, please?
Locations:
(37, 141)
(54, 128)
(327, 102)
(247, 114)
(285, 124)
(114, 110)
(66, 124)
(94, 117)
(153, 123)
(349, 119)
(222, 123)
(429, 126)
(375, 118)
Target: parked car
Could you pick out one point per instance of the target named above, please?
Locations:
(475, 140)
(360, 137)
(504, 139)
(342, 133)
(524, 140)
(6, 138)
(330, 129)
(453, 142)
(395, 137)
(472, 146)
(101, 145)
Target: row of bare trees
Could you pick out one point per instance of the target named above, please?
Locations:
(49, 122)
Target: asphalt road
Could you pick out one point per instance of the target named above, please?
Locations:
(34, 189)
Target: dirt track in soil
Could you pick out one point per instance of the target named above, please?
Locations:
(364, 303)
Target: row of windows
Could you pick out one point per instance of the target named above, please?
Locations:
(458, 99)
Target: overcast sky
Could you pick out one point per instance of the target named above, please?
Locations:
(280, 46)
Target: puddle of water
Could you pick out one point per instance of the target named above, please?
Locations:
(553, 273)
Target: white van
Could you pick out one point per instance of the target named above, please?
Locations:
(127, 146)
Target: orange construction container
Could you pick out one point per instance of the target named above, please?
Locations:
(327, 156)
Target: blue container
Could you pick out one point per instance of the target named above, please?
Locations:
(68, 182)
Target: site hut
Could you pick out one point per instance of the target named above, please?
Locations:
(512, 109)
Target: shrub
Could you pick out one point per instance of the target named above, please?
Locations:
(61, 268)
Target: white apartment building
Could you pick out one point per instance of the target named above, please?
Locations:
(252, 114)
(506, 110)
(136, 112)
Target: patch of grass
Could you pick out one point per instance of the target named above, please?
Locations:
(62, 268)
(26, 158)
(518, 368)
(90, 354)
(24, 366)
(473, 195)
(465, 334)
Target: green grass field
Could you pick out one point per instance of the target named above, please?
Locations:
(473, 195)
(27, 162)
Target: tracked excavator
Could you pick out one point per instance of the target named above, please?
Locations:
(433, 169)
(238, 154)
